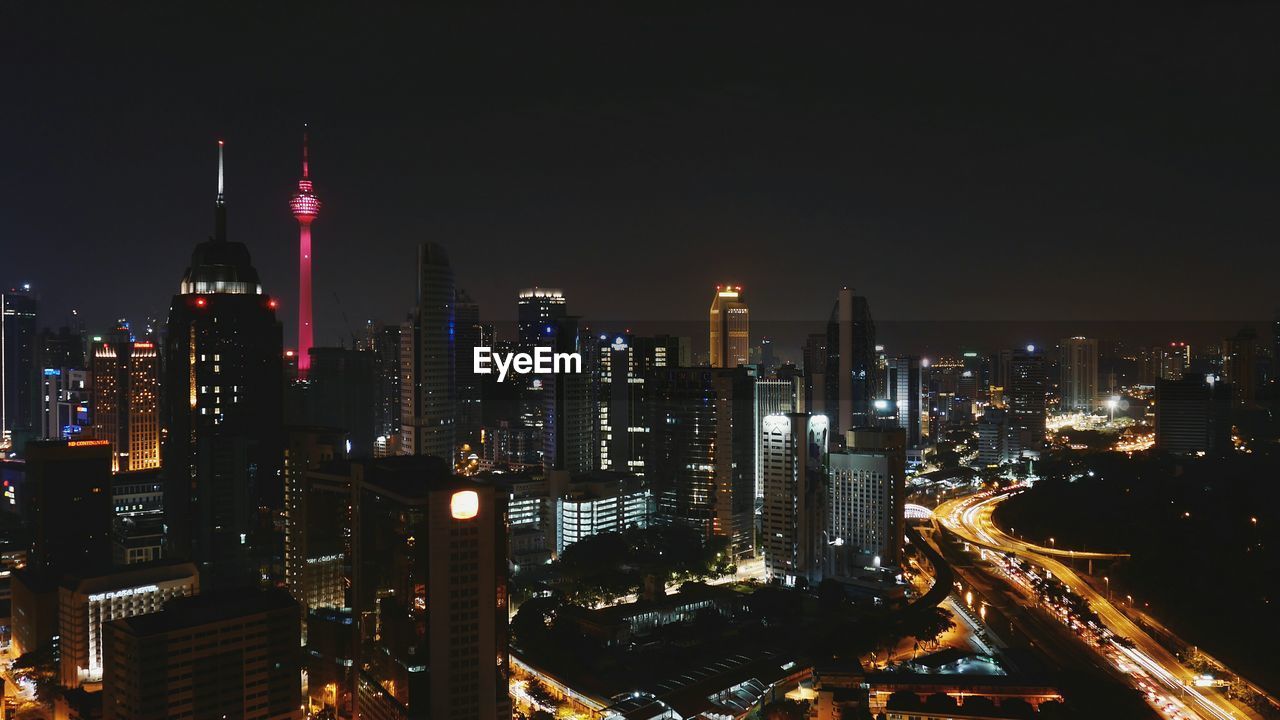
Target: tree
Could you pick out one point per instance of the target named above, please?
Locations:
(927, 625)
(785, 710)
(531, 627)
(831, 595)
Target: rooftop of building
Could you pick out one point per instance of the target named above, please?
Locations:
(603, 484)
(219, 263)
(209, 608)
(729, 686)
(412, 476)
(130, 576)
(689, 594)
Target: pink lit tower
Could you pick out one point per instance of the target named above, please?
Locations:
(305, 206)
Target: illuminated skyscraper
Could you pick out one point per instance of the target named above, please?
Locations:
(906, 392)
(223, 376)
(794, 449)
(537, 309)
(427, 381)
(305, 206)
(774, 396)
(67, 397)
(1078, 365)
(1026, 402)
(126, 403)
(730, 328)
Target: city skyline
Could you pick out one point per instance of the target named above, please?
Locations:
(754, 363)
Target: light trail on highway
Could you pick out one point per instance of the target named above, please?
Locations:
(970, 518)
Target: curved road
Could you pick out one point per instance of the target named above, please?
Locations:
(971, 519)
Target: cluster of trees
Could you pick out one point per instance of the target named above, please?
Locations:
(612, 565)
(835, 628)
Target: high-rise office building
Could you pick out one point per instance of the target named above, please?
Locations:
(384, 342)
(430, 592)
(223, 411)
(623, 364)
(998, 380)
(67, 399)
(730, 328)
(569, 417)
(1078, 368)
(126, 403)
(903, 379)
(1026, 394)
(137, 526)
(305, 206)
(1240, 368)
(232, 655)
(866, 502)
(18, 379)
(64, 348)
(68, 497)
(851, 364)
(341, 393)
(815, 373)
(427, 343)
(512, 446)
(774, 396)
(768, 355)
(537, 310)
(470, 334)
(702, 451)
(317, 519)
(1193, 415)
(993, 438)
(65, 395)
(793, 521)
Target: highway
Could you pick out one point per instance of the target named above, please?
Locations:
(1166, 683)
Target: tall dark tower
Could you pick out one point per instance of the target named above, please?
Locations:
(851, 368)
(428, 408)
(223, 413)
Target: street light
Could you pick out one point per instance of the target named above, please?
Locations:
(1108, 581)
(1053, 542)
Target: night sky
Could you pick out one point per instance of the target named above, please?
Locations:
(948, 163)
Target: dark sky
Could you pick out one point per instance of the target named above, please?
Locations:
(948, 162)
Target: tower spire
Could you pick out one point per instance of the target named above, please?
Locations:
(306, 172)
(220, 204)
